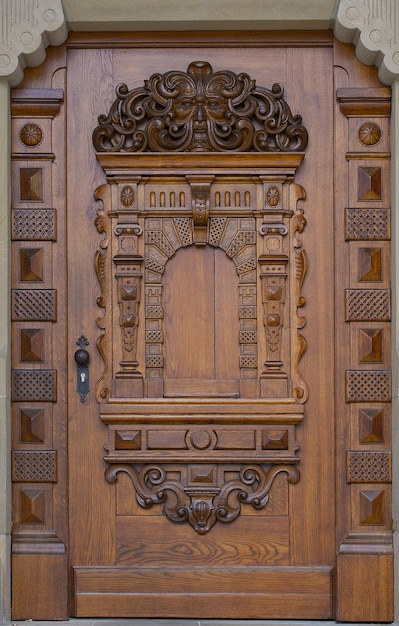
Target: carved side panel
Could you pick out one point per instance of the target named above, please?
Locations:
(367, 314)
(38, 381)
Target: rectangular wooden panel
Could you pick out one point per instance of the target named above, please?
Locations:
(141, 544)
(40, 586)
(203, 388)
(262, 592)
(364, 588)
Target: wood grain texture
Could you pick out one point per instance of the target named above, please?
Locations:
(40, 586)
(210, 312)
(141, 543)
(267, 592)
(365, 588)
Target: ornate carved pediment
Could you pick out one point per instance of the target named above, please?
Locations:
(201, 159)
(200, 111)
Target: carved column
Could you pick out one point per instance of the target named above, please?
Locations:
(128, 274)
(274, 269)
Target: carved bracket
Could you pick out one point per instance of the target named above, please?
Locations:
(200, 201)
(201, 501)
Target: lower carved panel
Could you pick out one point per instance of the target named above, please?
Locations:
(202, 495)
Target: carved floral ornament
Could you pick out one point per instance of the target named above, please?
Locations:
(200, 111)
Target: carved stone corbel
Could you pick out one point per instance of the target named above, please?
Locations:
(28, 28)
(372, 28)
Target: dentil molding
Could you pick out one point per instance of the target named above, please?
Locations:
(27, 27)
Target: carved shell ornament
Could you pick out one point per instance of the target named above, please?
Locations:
(200, 111)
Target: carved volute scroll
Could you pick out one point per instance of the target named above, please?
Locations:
(205, 159)
(200, 111)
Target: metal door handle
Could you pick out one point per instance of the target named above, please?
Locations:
(82, 359)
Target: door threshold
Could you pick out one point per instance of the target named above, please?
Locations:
(184, 622)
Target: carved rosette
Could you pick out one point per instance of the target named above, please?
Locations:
(202, 111)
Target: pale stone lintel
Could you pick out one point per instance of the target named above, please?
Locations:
(374, 30)
(27, 29)
(175, 15)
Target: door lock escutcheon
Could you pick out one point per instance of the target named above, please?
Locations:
(82, 358)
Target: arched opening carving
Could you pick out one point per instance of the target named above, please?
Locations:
(197, 305)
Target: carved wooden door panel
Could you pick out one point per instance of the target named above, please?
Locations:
(227, 335)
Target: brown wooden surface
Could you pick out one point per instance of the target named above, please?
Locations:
(269, 592)
(276, 562)
(40, 586)
(365, 589)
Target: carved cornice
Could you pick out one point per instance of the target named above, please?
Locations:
(27, 28)
(373, 27)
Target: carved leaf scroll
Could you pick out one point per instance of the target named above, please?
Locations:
(201, 111)
(202, 506)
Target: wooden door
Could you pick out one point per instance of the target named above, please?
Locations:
(226, 324)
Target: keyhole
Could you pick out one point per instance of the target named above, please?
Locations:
(82, 377)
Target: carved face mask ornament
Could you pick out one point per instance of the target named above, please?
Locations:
(200, 111)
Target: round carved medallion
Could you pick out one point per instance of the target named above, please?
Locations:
(201, 439)
(31, 135)
(369, 134)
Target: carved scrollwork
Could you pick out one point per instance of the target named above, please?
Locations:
(200, 110)
(301, 266)
(203, 505)
(101, 267)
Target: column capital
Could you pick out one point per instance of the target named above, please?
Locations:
(27, 28)
(373, 28)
